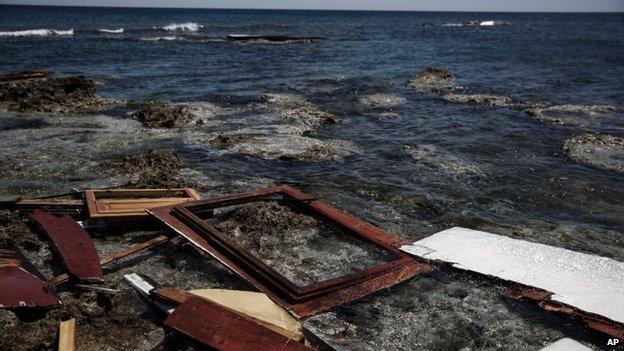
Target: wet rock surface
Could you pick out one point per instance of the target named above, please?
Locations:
(50, 94)
(437, 312)
(302, 248)
(577, 115)
(490, 100)
(152, 169)
(160, 114)
(432, 78)
(383, 100)
(598, 150)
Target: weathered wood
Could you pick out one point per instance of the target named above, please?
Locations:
(67, 335)
(72, 245)
(120, 203)
(222, 329)
(20, 283)
(60, 279)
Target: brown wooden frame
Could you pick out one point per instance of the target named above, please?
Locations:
(97, 205)
(307, 300)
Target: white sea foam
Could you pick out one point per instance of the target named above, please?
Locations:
(166, 38)
(186, 27)
(36, 32)
(112, 31)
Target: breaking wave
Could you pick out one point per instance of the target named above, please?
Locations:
(36, 32)
(165, 38)
(113, 31)
(186, 27)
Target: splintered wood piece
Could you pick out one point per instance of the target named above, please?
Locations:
(255, 307)
(67, 335)
(223, 329)
(73, 246)
(20, 283)
(115, 203)
(59, 279)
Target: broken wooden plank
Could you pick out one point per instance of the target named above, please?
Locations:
(574, 283)
(132, 203)
(20, 285)
(258, 309)
(223, 329)
(67, 335)
(60, 279)
(72, 245)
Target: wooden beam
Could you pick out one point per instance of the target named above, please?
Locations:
(67, 335)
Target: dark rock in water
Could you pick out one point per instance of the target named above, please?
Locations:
(41, 92)
(225, 140)
(153, 169)
(159, 114)
(432, 78)
(15, 234)
(598, 150)
(491, 100)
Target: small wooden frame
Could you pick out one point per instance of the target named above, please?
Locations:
(302, 301)
(124, 203)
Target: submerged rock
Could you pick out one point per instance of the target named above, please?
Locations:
(46, 93)
(160, 114)
(491, 100)
(310, 116)
(383, 100)
(570, 114)
(598, 150)
(432, 78)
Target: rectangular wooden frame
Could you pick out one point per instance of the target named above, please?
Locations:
(301, 301)
(133, 207)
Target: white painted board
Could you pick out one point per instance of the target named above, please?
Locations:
(590, 283)
(566, 344)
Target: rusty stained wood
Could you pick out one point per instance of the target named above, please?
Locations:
(222, 329)
(67, 335)
(300, 301)
(21, 284)
(132, 203)
(72, 245)
(543, 299)
(105, 261)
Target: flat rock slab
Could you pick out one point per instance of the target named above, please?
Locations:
(73, 246)
(20, 284)
(223, 329)
(589, 283)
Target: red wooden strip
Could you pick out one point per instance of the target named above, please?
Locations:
(222, 329)
(20, 288)
(73, 246)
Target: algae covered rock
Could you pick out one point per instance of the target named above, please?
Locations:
(160, 114)
(490, 100)
(598, 150)
(432, 78)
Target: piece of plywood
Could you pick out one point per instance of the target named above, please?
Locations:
(589, 283)
(118, 203)
(223, 329)
(67, 335)
(254, 304)
(21, 285)
(72, 245)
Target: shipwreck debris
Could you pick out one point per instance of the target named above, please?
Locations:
(67, 335)
(21, 285)
(73, 246)
(302, 301)
(577, 284)
(223, 329)
(130, 204)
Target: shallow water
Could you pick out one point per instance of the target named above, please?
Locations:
(403, 159)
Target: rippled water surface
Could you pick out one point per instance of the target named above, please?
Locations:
(414, 163)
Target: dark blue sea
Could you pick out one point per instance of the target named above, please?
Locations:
(402, 158)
